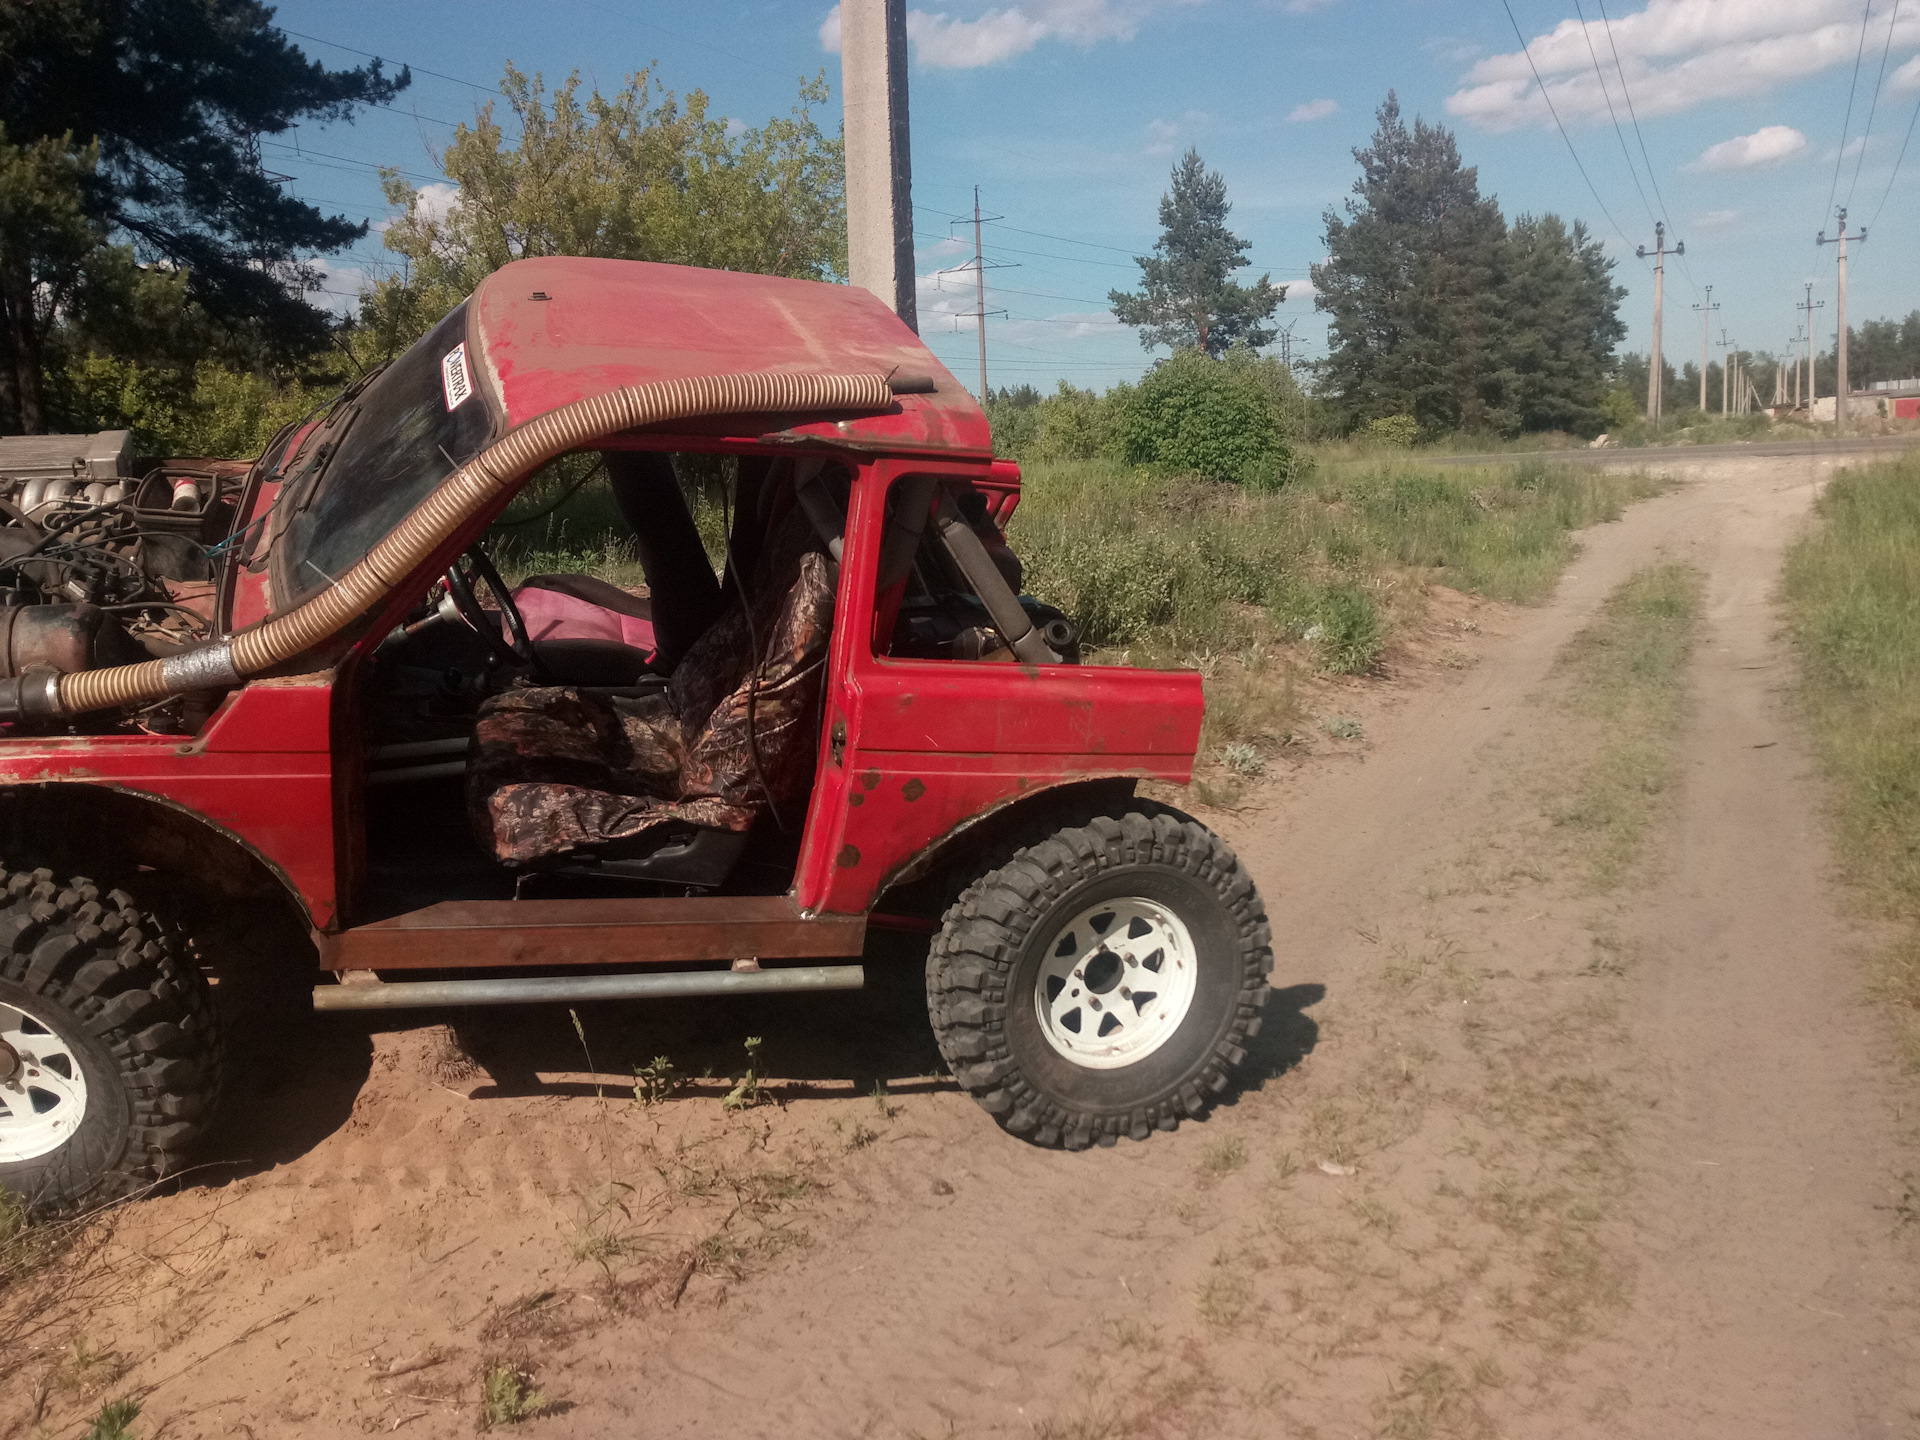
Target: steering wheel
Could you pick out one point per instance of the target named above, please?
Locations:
(516, 648)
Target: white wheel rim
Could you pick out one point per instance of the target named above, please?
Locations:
(1116, 982)
(45, 1098)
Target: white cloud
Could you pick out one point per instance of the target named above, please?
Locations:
(1676, 54)
(1314, 110)
(1907, 77)
(1305, 7)
(1716, 220)
(1768, 145)
(436, 200)
(942, 41)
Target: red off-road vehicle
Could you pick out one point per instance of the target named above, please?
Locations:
(246, 706)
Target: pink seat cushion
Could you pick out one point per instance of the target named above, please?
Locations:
(579, 607)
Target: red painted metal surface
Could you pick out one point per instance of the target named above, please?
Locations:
(517, 933)
(609, 323)
(261, 770)
(931, 745)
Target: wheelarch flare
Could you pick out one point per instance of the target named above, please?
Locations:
(45, 821)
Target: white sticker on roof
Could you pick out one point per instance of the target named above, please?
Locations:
(454, 378)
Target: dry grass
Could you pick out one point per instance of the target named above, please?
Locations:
(1625, 675)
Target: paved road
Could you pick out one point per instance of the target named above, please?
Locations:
(1650, 454)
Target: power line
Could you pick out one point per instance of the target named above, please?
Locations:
(1626, 93)
(1886, 50)
(1847, 123)
(1561, 128)
(369, 55)
(1896, 166)
(1619, 134)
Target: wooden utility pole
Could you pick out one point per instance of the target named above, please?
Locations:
(873, 87)
(1840, 379)
(1813, 390)
(1706, 314)
(1655, 378)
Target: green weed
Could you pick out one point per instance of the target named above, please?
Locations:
(113, 1419)
(748, 1090)
(656, 1081)
(508, 1395)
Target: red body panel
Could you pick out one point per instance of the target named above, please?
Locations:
(931, 745)
(261, 770)
(609, 323)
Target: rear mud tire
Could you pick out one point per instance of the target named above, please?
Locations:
(994, 976)
(113, 997)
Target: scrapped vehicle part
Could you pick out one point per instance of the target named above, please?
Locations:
(109, 1054)
(1102, 982)
(297, 697)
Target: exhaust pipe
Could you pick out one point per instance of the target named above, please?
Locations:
(410, 994)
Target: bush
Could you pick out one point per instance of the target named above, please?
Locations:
(1208, 417)
(1400, 431)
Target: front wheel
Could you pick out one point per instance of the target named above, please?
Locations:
(109, 1057)
(1103, 981)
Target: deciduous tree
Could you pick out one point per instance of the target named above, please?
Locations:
(643, 175)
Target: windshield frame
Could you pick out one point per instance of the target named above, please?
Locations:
(379, 452)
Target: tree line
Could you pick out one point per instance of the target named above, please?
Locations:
(155, 275)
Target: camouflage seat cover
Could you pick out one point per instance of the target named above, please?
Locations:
(553, 770)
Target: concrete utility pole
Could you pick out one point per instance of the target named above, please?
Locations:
(1840, 379)
(1726, 373)
(1660, 253)
(1706, 314)
(873, 88)
(1793, 349)
(1813, 390)
(980, 296)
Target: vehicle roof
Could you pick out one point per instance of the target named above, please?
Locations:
(603, 324)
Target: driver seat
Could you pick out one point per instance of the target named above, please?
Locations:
(558, 775)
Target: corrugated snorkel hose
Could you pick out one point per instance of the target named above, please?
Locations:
(456, 500)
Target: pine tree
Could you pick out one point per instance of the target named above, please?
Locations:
(1562, 314)
(158, 105)
(1186, 299)
(1412, 284)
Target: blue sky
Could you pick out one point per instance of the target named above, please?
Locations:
(1068, 113)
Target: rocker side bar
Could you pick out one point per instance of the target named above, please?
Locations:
(409, 993)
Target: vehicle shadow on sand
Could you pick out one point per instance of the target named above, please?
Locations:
(291, 1086)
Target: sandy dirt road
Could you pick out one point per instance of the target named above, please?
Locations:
(1519, 1156)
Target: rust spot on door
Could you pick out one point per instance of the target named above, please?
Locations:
(913, 789)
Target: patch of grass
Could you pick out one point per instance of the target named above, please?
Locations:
(1223, 1297)
(1627, 674)
(113, 1421)
(1343, 727)
(508, 1395)
(1222, 1158)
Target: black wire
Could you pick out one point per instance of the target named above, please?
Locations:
(1562, 129)
(1846, 123)
(1885, 195)
(1886, 50)
(1606, 26)
(1618, 133)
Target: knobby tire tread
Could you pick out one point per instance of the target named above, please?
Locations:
(131, 984)
(972, 959)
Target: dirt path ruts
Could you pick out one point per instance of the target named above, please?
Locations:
(1770, 1286)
